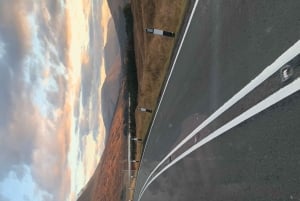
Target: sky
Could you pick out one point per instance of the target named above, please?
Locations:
(51, 72)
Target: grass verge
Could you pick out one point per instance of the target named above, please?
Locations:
(153, 53)
(152, 59)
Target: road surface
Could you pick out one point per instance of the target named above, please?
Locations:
(225, 100)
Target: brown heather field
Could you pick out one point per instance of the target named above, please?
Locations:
(153, 53)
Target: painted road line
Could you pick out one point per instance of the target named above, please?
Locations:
(172, 68)
(265, 74)
(129, 140)
(261, 106)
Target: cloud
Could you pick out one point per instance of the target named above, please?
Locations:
(2, 49)
(15, 31)
(87, 76)
(50, 19)
(54, 7)
(90, 149)
(57, 98)
(29, 138)
(51, 154)
(18, 136)
(44, 46)
(27, 135)
(3, 198)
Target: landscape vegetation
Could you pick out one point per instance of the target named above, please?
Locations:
(146, 60)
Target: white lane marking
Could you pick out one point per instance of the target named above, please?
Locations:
(266, 103)
(172, 68)
(129, 140)
(129, 156)
(265, 74)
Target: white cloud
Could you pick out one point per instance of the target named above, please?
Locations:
(42, 67)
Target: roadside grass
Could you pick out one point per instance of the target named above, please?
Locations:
(152, 59)
(153, 54)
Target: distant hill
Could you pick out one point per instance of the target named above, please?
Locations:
(110, 92)
(116, 8)
(106, 183)
(114, 60)
(87, 193)
(112, 48)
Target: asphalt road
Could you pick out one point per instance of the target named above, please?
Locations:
(228, 44)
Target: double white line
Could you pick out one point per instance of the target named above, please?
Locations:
(269, 101)
(266, 103)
